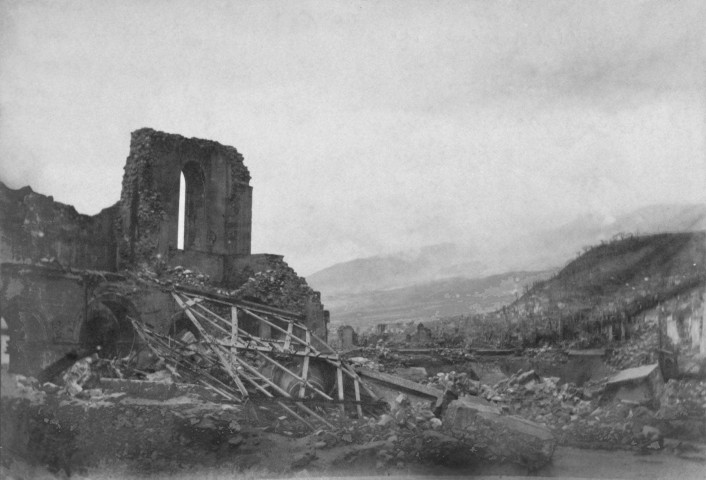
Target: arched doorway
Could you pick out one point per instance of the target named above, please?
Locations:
(108, 326)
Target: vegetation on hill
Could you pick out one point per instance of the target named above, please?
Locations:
(607, 284)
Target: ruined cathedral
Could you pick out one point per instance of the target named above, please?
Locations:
(68, 280)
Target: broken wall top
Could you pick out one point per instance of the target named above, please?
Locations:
(35, 227)
(218, 198)
(156, 142)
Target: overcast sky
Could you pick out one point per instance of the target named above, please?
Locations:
(368, 127)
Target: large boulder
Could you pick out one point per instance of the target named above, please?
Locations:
(643, 385)
(480, 425)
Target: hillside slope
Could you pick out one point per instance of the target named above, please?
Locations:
(608, 283)
(616, 279)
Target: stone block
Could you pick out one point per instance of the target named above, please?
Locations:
(640, 384)
(475, 422)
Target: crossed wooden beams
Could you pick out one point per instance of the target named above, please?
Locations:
(232, 339)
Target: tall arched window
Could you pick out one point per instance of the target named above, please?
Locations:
(192, 216)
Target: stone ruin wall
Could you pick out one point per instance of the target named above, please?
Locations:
(218, 219)
(140, 231)
(34, 228)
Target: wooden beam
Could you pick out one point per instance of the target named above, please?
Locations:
(222, 299)
(401, 383)
(339, 378)
(277, 327)
(288, 338)
(255, 372)
(294, 414)
(301, 379)
(225, 364)
(163, 349)
(357, 398)
(233, 332)
(323, 343)
(305, 368)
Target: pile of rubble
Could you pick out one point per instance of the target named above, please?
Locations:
(569, 411)
(464, 435)
(640, 349)
(279, 287)
(461, 383)
(685, 398)
(178, 275)
(366, 363)
(587, 416)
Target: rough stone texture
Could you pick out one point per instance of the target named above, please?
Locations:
(641, 384)
(40, 307)
(140, 233)
(509, 437)
(35, 227)
(280, 286)
(218, 204)
(50, 313)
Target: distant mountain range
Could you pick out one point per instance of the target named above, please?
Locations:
(366, 289)
(432, 300)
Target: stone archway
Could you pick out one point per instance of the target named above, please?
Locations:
(108, 326)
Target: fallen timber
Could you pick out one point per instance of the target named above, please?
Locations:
(235, 363)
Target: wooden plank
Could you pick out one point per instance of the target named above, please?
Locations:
(276, 327)
(255, 372)
(164, 349)
(288, 338)
(315, 415)
(224, 300)
(401, 383)
(339, 378)
(294, 414)
(225, 364)
(301, 379)
(356, 385)
(305, 367)
(243, 344)
(352, 374)
(233, 332)
(241, 332)
(323, 343)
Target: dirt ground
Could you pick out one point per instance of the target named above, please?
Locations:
(55, 436)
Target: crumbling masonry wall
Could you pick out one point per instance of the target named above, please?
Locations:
(33, 227)
(218, 207)
(51, 312)
(140, 234)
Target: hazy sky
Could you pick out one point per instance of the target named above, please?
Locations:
(367, 126)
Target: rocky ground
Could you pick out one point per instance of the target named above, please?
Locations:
(81, 427)
(55, 430)
(577, 415)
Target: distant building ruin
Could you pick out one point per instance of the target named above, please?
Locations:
(347, 337)
(56, 302)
